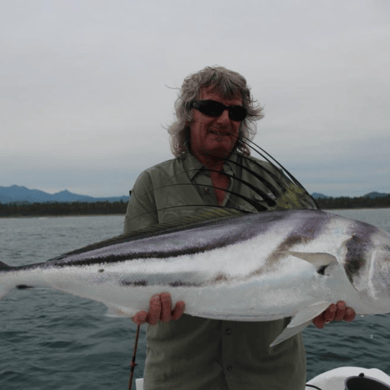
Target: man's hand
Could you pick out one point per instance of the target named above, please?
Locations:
(160, 309)
(334, 312)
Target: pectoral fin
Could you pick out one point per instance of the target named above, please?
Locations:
(289, 332)
(299, 322)
(322, 261)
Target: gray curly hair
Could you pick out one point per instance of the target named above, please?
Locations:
(227, 83)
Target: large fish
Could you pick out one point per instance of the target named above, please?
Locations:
(254, 267)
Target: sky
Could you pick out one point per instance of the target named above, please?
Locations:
(87, 87)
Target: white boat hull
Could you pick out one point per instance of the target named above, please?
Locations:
(335, 379)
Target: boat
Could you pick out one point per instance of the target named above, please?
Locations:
(342, 378)
(350, 378)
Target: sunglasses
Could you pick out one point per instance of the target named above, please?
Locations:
(215, 109)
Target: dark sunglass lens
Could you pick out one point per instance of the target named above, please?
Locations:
(237, 113)
(214, 109)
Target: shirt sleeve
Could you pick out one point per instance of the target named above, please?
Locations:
(141, 209)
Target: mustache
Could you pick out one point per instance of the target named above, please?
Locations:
(225, 129)
(218, 127)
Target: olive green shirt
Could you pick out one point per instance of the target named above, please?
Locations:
(195, 353)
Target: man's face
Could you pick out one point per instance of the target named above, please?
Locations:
(214, 137)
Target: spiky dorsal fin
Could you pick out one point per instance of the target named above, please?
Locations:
(292, 198)
(296, 189)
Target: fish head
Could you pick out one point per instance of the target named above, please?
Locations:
(379, 276)
(367, 265)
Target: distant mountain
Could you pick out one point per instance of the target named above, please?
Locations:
(17, 194)
(375, 195)
(20, 194)
(317, 195)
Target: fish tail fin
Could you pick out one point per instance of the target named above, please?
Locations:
(4, 267)
(5, 286)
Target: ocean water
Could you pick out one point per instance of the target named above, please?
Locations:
(50, 340)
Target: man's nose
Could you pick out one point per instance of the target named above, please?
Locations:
(224, 117)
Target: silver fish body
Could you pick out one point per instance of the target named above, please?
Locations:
(256, 267)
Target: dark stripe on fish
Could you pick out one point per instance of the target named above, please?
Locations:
(305, 231)
(181, 279)
(184, 284)
(242, 229)
(200, 238)
(139, 283)
(357, 248)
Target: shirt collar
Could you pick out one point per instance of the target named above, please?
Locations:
(193, 166)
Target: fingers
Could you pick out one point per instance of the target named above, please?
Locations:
(154, 310)
(349, 314)
(344, 313)
(319, 321)
(166, 307)
(153, 315)
(160, 309)
(178, 310)
(340, 313)
(325, 317)
(140, 317)
(334, 312)
(330, 313)
(167, 313)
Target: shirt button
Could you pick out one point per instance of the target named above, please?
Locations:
(228, 332)
(229, 368)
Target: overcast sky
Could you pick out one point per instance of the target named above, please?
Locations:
(87, 87)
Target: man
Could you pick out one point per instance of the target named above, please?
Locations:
(215, 114)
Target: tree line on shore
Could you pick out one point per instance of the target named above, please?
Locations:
(62, 209)
(362, 202)
(24, 209)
